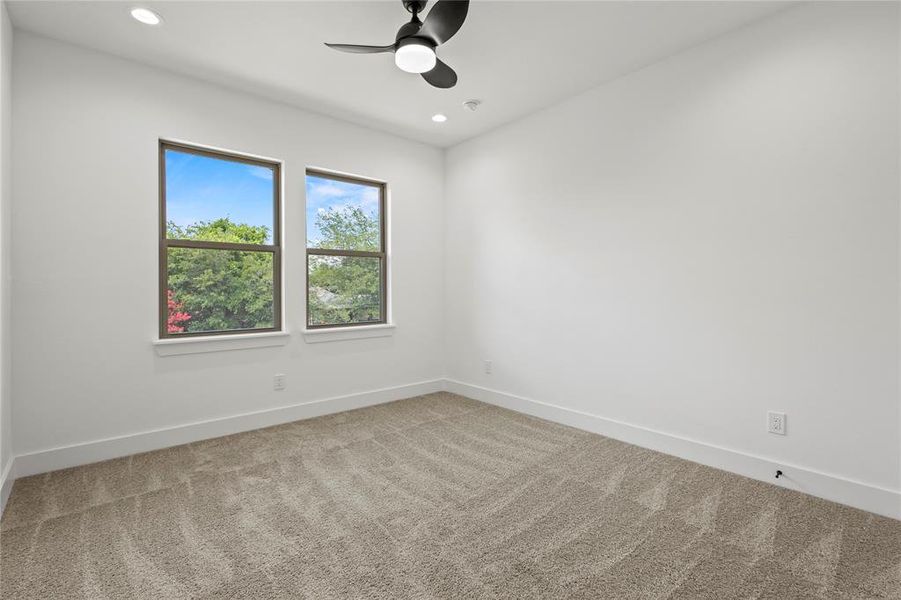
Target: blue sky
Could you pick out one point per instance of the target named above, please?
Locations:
(200, 188)
(324, 194)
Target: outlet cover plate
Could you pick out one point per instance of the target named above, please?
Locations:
(775, 422)
(279, 382)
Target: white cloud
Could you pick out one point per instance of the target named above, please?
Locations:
(327, 190)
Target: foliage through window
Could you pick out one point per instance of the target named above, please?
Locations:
(346, 270)
(219, 243)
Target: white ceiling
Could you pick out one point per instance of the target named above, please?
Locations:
(517, 57)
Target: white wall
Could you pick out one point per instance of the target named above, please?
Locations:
(681, 249)
(85, 251)
(6, 445)
(698, 242)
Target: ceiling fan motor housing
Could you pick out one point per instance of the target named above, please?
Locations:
(419, 41)
(408, 29)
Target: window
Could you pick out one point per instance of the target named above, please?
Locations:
(346, 262)
(220, 254)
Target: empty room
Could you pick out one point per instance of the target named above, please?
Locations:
(396, 299)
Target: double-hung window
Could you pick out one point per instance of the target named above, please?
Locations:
(346, 258)
(220, 246)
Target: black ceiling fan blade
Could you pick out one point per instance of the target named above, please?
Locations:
(442, 76)
(355, 49)
(444, 20)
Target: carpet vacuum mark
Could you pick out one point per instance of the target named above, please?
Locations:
(438, 496)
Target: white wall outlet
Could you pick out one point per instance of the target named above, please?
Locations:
(487, 366)
(775, 422)
(279, 382)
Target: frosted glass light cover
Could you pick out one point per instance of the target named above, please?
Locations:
(415, 58)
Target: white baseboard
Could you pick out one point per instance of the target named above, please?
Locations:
(831, 487)
(89, 452)
(860, 495)
(7, 478)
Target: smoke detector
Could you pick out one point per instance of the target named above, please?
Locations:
(472, 105)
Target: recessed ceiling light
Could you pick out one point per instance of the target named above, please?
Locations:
(146, 16)
(439, 118)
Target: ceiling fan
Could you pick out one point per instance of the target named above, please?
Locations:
(415, 43)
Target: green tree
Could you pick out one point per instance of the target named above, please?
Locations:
(348, 228)
(345, 289)
(222, 289)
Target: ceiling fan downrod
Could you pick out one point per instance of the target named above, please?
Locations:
(414, 6)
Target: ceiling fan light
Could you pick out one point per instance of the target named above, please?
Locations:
(415, 58)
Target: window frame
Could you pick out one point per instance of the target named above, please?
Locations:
(382, 254)
(165, 243)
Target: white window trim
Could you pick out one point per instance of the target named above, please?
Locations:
(350, 332)
(219, 343)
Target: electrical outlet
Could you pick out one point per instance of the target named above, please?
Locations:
(487, 365)
(279, 382)
(775, 422)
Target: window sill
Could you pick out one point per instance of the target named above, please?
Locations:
(219, 343)
(337, 334)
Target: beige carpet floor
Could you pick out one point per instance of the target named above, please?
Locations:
(433, 497)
